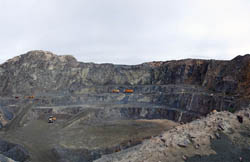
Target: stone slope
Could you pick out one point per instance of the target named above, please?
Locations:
(219, 136)
(41, 71)
(5, 159)
(9, 151)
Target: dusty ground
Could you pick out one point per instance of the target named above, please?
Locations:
(111, 133)
(40, 137)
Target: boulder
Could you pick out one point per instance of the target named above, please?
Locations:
(6, 159)
(13, 151)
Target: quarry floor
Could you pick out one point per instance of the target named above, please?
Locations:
(40, 137)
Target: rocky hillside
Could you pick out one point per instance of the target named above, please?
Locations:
(181, 90)
(40, 71)
(220, 137)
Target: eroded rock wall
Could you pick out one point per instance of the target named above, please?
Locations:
(191, 85)
(39, 71)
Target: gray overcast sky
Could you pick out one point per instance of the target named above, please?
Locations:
(126, 31)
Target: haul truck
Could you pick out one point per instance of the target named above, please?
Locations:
(52, 119)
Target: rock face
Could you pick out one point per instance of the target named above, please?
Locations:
(196, 86)
(5, 159)
(40, 71)
(13, 151)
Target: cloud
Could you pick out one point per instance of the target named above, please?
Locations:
(126, 32)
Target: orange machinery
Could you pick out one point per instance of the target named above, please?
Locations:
(128, 90)
(31, 97)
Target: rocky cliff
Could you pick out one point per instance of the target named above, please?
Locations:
(40, 71)
(196, 86)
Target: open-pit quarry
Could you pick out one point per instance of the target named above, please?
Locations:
(156, 111)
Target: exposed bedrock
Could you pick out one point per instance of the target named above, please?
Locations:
(173, 106)
(13, 151)
(39, 71)
(219, 137)
(180, 87)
